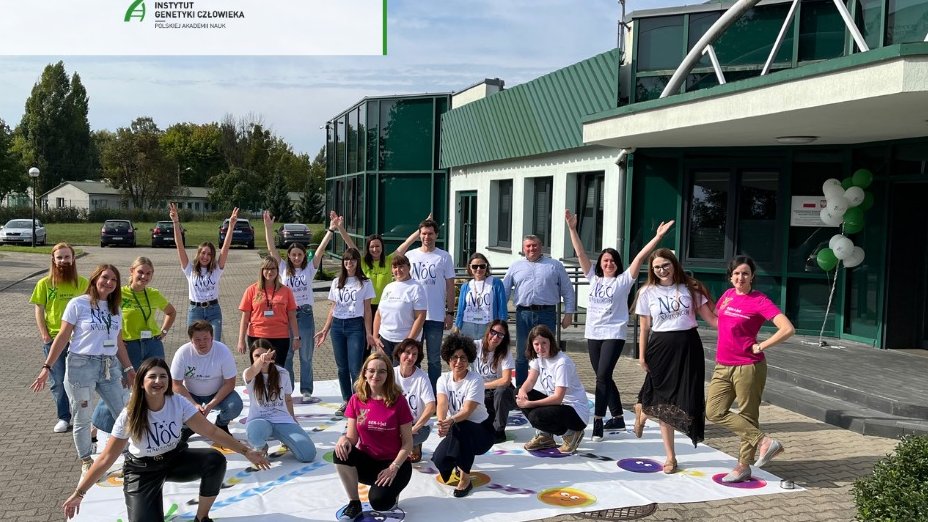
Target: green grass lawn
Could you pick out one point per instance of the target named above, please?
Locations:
(197, 232)
(44, 250)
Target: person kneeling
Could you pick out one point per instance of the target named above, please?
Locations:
(151, 460)
(270, 413)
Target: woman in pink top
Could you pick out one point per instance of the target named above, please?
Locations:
(378, 441)
(741, 369)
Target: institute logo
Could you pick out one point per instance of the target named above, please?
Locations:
(136, 10)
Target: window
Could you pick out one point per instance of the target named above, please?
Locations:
(733, 212)
(501, 201)
(59, 202)
(196, 205)
(590, 210)
(539, 215)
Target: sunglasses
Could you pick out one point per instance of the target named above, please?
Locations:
(478, 267)
(494, 333)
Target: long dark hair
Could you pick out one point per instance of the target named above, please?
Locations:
(695, 286)
(616, 257)
(114, 300)
(500, 350)
(213, 263)
(137, 407)
(270, 391)
(291, 269)
(351, 253)
(368, 258)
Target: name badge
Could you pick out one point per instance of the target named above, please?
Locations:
(268, 313)
(146, 334)
(109, 343)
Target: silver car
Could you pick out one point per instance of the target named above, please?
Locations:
(19, 232)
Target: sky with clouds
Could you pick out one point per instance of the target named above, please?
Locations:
(433, 46)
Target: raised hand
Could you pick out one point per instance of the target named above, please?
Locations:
(268, 219)
(172, 211)
(663, 228)
(571, 218)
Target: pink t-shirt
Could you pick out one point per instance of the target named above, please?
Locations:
(740, 318)
(379, 425)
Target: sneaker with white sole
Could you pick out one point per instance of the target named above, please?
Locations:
(539, 442)
(597, 429)
(309, 399)
(340, 412)
(61, 426)
(352, 511)
(571, 442)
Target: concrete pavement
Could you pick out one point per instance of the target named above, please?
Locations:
(40, 468)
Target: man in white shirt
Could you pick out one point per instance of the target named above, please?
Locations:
(433, 268)
(204, 372)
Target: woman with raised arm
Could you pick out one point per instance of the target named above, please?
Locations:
(671, 352)
(297, 274)
(741, 368)
(152, 460)
(607, 317)
(203, 274)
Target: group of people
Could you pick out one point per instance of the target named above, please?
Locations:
(388, 312)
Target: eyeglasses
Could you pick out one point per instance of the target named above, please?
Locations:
(349, 260)
(496, 333)
(478, 267)
(664, 267)
(373, 371)
(456, 358)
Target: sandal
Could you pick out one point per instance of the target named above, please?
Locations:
(416, 455)
(670, 466)
(639, 421)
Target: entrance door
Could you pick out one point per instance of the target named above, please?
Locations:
(906, 270)
(467, 226)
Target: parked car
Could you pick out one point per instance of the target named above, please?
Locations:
(19, 232)
(243, 234)
(117, 232)
(163, 234)
(290, 233)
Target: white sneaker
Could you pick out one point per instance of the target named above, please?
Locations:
(61, 426)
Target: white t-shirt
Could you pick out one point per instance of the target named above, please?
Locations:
(300, 283)
(272, 410)
(398, 305)
(485, 369)
(203, 374)
(164, 425)
(607, 309)
(478, 301)
(95, 329)
(559, 371)
(431, 270)
(202, 287)
(349, 300)
(417, 389)
(670, 307)
(470, 388)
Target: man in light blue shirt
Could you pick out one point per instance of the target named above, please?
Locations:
(536, 285)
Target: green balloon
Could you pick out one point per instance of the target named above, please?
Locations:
(862, 178)
(847, 183)
(854, 215)
(826, 259)
(867, 203)
(853, 227)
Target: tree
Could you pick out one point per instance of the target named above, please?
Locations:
(12, 173)
(312, 202)
(134, 163)
(236, 188)
(197, 151)
(55, 130)
(277, 199)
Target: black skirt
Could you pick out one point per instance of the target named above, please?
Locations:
(674, 388)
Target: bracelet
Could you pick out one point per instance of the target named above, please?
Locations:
(47, 367)
(394, 466)
(80, 492)
(332, 230)
(129, 369)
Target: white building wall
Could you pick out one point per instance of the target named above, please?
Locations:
(73, 197)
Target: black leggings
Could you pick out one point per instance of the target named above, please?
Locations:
(552, 419)
(461, 445)
(144, 478)
(381, 498)
(604, 354)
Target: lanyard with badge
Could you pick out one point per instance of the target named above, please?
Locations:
(145, 334)
(108, 321)
(269, 303)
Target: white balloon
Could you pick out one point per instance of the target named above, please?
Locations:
(832, 187)
(843, 248)
(854, 196)
(837, 205)
(856, 258)
(830, 219)
(834, 239)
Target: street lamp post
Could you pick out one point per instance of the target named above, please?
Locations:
(34, 174)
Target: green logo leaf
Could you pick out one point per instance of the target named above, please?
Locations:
(136, 10)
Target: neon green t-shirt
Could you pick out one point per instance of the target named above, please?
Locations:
(380, 276)
(55, 298)
(138, 312)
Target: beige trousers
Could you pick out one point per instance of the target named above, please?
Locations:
(746, 385)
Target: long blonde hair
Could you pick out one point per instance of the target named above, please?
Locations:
(390, 389)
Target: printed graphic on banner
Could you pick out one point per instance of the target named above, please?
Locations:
(197, 27)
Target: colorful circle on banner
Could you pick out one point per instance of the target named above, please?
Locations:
(222, 449)
(566, 497)
(640, 465)
(516, 420)
(112, 479)
(477, 479)
(370, 515)
(551, 453)
(751, 483)
(363, 490)
(329, 457)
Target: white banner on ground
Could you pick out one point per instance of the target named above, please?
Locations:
(196, 27)
(511, 484)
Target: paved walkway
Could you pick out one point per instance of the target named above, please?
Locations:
(40, 468)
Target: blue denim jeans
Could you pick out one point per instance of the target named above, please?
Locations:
(348, 343)
(307, 327)
(229, 408)
(422, 435)
(56, 383)
(139, 350)
(525, 321)
(292, 434)
(432, 332)
(84, 375)
(211, 314)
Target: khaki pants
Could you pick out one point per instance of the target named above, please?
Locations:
(746, 385)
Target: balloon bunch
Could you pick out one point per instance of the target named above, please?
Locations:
(846, 202)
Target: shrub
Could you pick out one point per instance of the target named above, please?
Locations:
(898, 488)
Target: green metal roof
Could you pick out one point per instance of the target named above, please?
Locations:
(536, 117)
